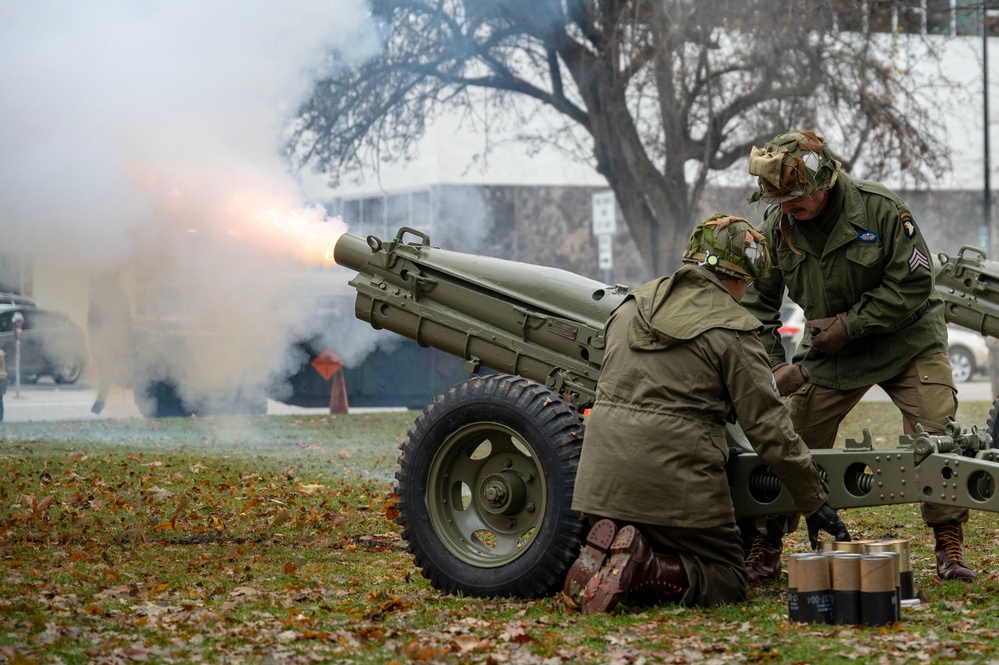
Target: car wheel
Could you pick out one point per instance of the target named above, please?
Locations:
(961, 364)
(160, 399)
(67, 372)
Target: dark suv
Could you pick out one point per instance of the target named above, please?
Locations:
(51, 344)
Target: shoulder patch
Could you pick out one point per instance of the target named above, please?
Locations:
(918, 260)
(908, 228)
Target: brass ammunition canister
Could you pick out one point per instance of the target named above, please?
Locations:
(846, 588)
(814, 595)
(878, 589)
(900, 546)
(855, 546)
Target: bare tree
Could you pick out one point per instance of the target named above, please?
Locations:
(657, 94)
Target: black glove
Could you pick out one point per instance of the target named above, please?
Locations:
(826, 519)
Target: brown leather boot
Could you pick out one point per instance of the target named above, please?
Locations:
(587, 564)
(633, 565)
(763, 560)
(950, 553)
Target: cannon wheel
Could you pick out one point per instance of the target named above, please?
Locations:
(485, 488)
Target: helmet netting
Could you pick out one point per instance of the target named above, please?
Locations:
(729, 245)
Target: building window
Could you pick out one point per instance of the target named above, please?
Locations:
(911, 18)
(917, 17)
(383, 216)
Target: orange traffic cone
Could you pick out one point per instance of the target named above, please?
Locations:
(338, 394)
(330, 367)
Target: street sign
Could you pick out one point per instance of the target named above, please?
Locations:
(604, 214)
(326, 363)
(605, 251)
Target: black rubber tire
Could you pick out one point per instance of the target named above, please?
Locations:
(516, 413)
(160, 399)
(992, 424)
(67, 372)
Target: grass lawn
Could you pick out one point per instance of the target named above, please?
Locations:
(267, 540)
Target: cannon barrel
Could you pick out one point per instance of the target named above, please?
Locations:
(969, 285)
(533, 321)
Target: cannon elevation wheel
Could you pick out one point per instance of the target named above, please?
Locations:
(485, 488)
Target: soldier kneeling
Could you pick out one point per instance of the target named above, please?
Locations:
(682, 360)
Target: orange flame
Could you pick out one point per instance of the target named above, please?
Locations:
(306, 233)
(267, 220)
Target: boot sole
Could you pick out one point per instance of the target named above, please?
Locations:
(588, 563)
(605, 590)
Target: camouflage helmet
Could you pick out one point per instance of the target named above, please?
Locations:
(797, 163)
(729, 245)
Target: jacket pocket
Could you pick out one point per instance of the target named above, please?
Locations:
(934, 369)
(866, 255)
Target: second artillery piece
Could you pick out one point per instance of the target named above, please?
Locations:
(486, 473)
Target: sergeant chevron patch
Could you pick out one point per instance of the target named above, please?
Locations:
(918, 260)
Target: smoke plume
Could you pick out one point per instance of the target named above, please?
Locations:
(142, 141)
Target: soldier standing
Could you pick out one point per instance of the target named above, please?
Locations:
(682, 359)
(849, 252)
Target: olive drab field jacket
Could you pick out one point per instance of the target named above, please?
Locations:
(683, 359)
(876, 268)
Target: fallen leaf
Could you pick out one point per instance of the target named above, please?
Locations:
(470, 643)
(157, 493)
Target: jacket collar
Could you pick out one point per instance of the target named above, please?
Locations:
(847, 228)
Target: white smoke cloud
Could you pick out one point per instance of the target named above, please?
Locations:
(144, 138)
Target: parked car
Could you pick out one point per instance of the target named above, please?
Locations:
(51, 344)
(969, 354)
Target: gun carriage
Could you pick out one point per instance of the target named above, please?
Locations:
(486, 473)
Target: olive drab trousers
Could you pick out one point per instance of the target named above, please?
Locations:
(712, 557)
(924, 392)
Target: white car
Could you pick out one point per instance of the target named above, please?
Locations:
(969, 354)
(792, 327)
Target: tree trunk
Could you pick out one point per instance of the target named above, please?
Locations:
(655, 208)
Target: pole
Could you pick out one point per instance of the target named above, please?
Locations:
(17, 354)
(987, 199)
(987, 184)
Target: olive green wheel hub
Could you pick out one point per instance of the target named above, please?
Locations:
(486, 494)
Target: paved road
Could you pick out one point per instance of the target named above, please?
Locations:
(49, 401)
(46, 400)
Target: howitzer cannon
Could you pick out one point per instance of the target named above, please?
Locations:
(486, 473)
(969, 285)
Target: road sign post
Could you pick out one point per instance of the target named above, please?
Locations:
(604, 225)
